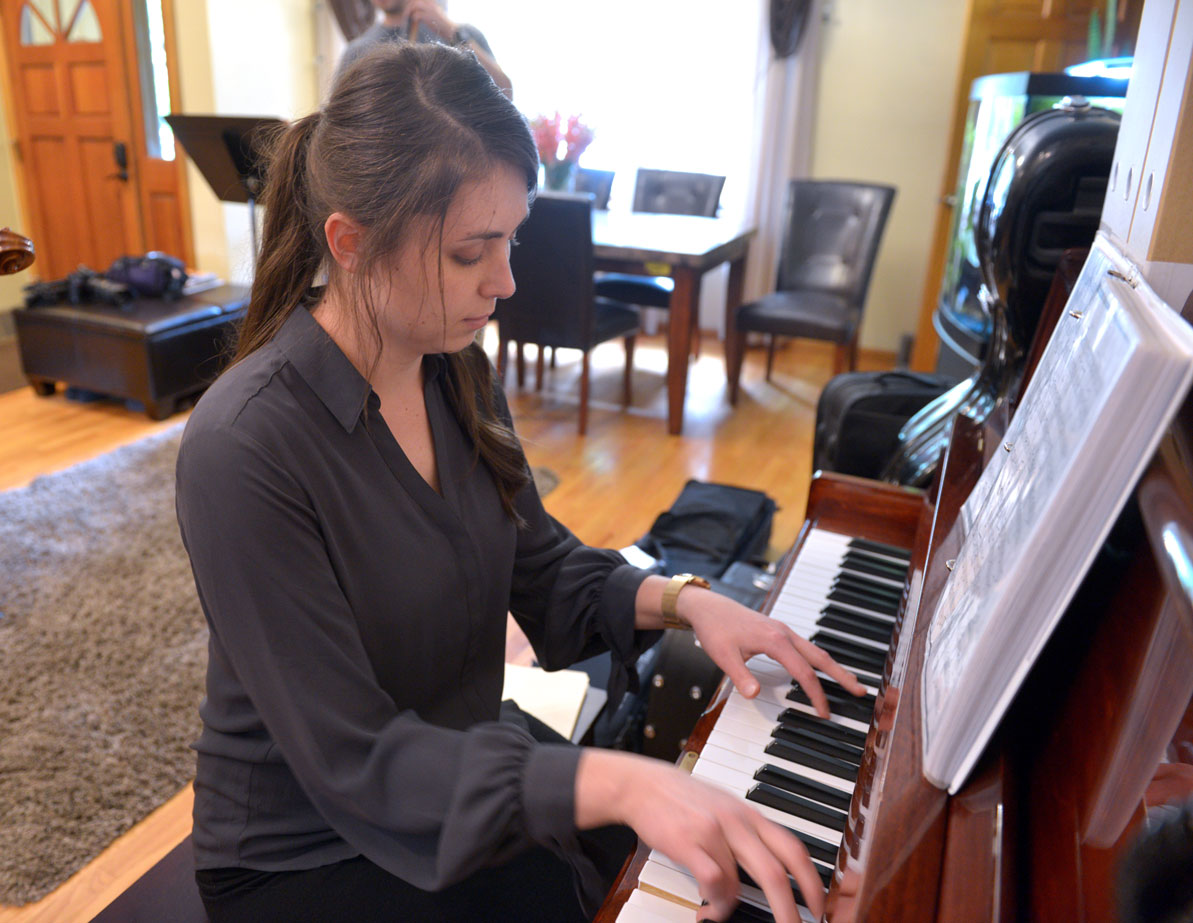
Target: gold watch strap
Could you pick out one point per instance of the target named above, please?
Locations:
(671, 617)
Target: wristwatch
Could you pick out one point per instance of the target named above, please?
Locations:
(671, 618)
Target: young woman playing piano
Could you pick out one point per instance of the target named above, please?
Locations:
(360, 518)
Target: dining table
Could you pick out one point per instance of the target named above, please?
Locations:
(683, 247)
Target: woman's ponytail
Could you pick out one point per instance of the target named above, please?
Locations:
(292, 246)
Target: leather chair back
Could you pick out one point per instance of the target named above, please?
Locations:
(597, 183)
(831, 235)
(673, 193)
(552, 267)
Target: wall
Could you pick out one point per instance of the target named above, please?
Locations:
(887, 82)
(11, 215)
(241, 58)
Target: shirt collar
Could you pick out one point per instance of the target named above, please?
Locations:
(328, 372)
(323, 366)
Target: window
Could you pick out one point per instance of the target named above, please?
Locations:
(45, 21)
(666, 84)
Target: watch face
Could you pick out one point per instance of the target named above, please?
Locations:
(787, 21)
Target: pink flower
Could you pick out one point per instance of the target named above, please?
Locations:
(560, 142)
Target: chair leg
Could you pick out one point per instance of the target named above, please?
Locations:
(853, 354)
(552, 357)
(770, 355)
(628, 384)
(538, 369)
(584, 395)
(735, 349)
(841, 358)
(520, 364)
(503, 347)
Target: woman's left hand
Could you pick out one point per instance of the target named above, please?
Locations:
(731, 634)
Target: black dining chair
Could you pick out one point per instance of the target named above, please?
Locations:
(596, 183)
(554, 304)
(830, 245)
(668, 192)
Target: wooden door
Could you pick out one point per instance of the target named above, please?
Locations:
(77, 116)
(1006, 36)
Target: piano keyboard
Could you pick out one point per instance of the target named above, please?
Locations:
(793, 766)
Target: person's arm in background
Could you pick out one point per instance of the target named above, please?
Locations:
(428, 13)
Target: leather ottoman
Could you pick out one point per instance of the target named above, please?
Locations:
(150, 350)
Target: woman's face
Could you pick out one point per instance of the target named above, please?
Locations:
(477, 231)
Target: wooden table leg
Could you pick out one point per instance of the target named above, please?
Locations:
(733, 348)
(685, 305)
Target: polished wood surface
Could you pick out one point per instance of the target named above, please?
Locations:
(16, 252)
(612, 484)
(684, 247)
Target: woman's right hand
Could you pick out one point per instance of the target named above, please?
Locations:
(703, 828)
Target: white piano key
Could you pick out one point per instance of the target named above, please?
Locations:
(749, 756)
(644, 907)
(667, 877)
(851, 723)
(749, 893)
(739, 783)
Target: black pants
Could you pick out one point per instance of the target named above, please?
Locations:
(534, 886)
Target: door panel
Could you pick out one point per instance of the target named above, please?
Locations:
(70, 63)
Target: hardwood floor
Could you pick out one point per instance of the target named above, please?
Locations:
(613, 483)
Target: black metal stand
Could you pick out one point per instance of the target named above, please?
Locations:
(227, 151)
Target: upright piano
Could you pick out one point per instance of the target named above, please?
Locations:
(1040, 827)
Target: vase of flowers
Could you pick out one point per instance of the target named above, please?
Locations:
(560, 143)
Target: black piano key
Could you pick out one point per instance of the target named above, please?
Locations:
(806, 756)
(853, 627)
(857, 709)
(847, 748)
(817, 848)
(847, 654)
(856, 583)
(852, 736)
(861, 650)
(798, 785)
(840, 702)
(835, 690)
(748, 913)
(863, 601)
(865, 618)
(780, 800)
(824, 871)
(903, 554)
(821, 744)
(874, 566)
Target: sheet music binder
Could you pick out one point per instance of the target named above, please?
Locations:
(1108, 385)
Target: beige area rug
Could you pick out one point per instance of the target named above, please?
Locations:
(102, 654)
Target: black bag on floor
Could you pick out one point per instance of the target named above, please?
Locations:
(708, 527)
(859, 415)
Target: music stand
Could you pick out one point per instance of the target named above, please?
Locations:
(227, 151)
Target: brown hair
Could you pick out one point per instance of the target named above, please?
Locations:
(403, 128)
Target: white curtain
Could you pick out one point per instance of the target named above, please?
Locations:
(784, 122)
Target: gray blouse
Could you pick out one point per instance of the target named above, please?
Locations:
(358, 629)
